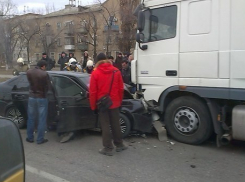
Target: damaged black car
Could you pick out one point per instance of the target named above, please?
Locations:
(69, 108)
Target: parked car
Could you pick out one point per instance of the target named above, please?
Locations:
(12, 165)
(69, 107)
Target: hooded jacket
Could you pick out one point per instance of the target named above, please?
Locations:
(100, 84)
(62, 61)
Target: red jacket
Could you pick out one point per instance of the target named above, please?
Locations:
(100, 84)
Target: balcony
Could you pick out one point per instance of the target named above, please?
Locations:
(82, 46)
(69, 31)
(82, 30)
(69, 47)
(112, 27)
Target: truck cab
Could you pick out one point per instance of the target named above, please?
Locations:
(188, 52)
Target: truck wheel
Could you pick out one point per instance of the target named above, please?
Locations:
(125, 125)
(188, 120)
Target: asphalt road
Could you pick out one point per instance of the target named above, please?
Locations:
(146, 160)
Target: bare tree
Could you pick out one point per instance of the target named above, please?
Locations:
(8, 37)
(87, 30)
(28, 28)
(128, 26)
(109, 16)
(47, 36)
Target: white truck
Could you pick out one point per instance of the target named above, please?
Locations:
(190, 59)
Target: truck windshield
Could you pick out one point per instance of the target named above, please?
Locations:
(160, 23)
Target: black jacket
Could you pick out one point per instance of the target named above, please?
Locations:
(50, 63)
(126, 75)
(62, 61)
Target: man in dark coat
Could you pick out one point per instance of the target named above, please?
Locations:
(49, 61)
(118, 61)
(126, 75)
(62, 60)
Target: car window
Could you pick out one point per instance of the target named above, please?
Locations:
(12, 82)
(85, 80)
(65, 86)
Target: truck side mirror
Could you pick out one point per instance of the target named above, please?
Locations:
(141, 21)
(140, 39)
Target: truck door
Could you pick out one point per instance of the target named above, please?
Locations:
(73, 105)
(158, 64)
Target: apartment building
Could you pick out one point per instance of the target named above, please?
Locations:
(74, 29)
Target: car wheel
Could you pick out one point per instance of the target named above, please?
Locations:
(188, 120)
(125, 125)
(15, 115)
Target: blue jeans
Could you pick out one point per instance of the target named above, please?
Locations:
(37, 108)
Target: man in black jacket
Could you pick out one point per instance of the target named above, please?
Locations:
(62, 60)
(49, 61)
(126, 75)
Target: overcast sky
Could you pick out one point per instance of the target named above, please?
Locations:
(30, 5)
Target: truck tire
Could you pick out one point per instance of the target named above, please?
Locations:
(188, 120)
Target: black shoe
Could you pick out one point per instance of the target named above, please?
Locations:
(44, 141)
(30, 141)
(105, 151)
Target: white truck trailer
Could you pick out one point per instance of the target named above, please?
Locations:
(190, 59)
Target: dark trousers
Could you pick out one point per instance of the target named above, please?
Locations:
(107, 119)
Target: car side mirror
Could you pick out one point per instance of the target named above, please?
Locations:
(12, 152)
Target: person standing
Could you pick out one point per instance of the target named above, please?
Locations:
(50, 62)
(90, 67)
(85, 59)
(111, 59)
(37, 103)
(62, 60)
(118, 61)
(106, 79)
(126, 75)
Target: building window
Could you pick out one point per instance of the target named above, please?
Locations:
(59, 25)
(58, 42)
(52, 55)
(37, 56)
(81, 39)
(108, 54)
(69, 41)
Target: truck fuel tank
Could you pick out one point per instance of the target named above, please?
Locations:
(238, 122)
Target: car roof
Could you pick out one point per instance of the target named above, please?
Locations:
(69, 73)
(65, 73)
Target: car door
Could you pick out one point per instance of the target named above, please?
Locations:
(20, 95)
(74, 111)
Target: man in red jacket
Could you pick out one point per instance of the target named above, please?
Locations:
(99, 86)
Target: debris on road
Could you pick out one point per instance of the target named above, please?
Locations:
(193, 166)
